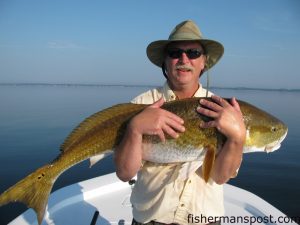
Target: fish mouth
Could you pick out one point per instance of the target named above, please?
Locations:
(275, 145)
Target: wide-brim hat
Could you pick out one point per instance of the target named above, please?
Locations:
(185, 31)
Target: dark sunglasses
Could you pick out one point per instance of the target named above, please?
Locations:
(192, 53)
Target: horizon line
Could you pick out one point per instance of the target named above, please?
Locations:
(138, 85)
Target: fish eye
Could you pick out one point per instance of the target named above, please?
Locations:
(273, 129)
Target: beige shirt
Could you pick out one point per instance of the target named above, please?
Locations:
(160, 195)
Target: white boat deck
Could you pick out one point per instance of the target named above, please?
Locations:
(77, 203)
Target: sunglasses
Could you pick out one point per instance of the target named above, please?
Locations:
(192, 53)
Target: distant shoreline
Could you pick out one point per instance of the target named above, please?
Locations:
(143, 85)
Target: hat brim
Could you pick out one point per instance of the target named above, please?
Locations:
(213, 50)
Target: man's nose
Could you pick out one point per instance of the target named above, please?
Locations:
(183, 58)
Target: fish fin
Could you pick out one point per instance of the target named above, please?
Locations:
(97, 158)
(208, 163)
(33, 191)
(94, 120)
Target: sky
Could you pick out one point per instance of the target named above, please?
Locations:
(104, 42)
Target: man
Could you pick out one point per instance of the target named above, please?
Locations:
(159, 195)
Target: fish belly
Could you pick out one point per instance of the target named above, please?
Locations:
(165, 153)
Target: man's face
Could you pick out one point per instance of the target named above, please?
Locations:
(184, 76)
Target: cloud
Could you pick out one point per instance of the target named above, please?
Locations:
(63, 45)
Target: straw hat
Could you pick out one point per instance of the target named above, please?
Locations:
(185, 31)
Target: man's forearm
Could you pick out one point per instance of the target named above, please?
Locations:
(227, 161)
(128, 157)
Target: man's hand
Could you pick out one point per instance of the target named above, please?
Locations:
(227, 117)
(156, 121)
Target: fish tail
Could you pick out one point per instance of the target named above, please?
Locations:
(208, 163)
(33, 190)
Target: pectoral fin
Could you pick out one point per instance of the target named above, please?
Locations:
(97, 158)
(208, 163)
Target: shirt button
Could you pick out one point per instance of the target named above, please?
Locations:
(190, 181)
(182, 205)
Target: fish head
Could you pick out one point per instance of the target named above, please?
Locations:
(264, 131)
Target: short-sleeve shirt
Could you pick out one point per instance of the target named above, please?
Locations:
(160, 195)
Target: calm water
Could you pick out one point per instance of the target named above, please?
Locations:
(34, 120)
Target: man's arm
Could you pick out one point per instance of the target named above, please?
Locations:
(228, 119)
(152, 121)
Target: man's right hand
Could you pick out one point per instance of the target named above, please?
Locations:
(156, 121)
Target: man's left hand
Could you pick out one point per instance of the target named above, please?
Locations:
(227, 117)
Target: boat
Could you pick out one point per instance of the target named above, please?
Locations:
(105, 200)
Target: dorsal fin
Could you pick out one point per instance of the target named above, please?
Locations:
(94, 120)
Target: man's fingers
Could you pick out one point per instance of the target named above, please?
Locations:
(175, 125)
(161, 135)
(207, 112)
(174, 117)
(211, 105)
(222, 102)
(235, 104)
(171, 128)
(167, 129)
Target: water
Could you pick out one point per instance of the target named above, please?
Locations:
(35, 119)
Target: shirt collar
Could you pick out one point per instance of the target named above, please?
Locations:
(169, 94)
